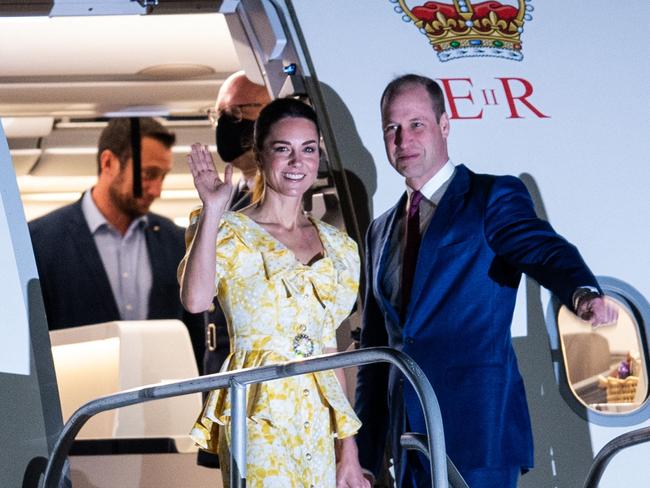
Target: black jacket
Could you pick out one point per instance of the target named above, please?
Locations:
(75, 286)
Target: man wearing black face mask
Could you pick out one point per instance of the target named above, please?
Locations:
(238, 105)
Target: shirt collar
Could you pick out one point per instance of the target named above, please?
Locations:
(435, 183)
(241, 185)
(93, 216)
(96, 219)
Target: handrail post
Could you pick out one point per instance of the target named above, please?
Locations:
(429, 403)
(237, 434)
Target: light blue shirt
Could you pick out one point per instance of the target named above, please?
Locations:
(125, 259)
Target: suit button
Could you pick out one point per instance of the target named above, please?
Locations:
(211, 308)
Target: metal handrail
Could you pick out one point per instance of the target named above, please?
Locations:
(614, 446)
(239, 378)
(418, 442)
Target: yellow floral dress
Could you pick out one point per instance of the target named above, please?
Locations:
(279, 309)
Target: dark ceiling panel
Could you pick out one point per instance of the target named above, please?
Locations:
(13, 8)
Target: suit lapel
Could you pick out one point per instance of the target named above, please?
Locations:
(441, 222)
(89, 260)
(241, 199)
(385, 235)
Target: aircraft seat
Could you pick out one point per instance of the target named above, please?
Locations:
(587, 355)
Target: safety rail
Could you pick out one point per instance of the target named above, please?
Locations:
(237, 381)
(608, 451)
(418, 442)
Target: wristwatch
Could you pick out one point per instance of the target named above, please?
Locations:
(584, 293)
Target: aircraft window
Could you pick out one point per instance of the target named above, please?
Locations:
(605, 367)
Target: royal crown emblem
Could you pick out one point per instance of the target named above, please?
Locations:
(462, 28)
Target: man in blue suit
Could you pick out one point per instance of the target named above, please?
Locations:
(442, 270)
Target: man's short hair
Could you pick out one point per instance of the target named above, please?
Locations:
(402, 83)
(116, 137)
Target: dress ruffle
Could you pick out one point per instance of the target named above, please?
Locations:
(259, 404)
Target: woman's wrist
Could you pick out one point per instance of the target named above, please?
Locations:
(348, 446)
(213, 210)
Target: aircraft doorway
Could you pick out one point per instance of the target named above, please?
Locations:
(604, 373)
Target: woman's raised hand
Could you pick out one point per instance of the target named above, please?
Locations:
(213, 192)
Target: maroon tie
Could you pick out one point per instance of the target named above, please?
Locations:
(411, 248)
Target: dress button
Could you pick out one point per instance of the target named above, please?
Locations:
(410, 340)
(306, 424)
(308, 457)
(305, 392)
(303, 328)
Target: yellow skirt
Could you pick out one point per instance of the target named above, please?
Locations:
(296, 450)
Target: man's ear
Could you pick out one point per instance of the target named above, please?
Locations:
(444, 125)
(109, 163)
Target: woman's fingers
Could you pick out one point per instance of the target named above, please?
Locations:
(202, 168)
(206, 159)
(354, 484)
(200, 158)
(191, 162)
(227, 174)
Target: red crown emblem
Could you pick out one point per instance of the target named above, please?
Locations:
(464, 29)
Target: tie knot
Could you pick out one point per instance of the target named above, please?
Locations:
(416, 197)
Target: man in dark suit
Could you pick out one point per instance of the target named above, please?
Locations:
(442, 271)
(106, 257)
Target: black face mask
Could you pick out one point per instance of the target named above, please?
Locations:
(234, 137)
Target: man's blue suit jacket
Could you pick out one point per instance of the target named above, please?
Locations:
(483, 235)
(75, 286)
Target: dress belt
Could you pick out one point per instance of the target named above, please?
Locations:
(300, 345)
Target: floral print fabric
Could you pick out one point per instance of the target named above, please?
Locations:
(279, 309)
